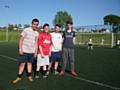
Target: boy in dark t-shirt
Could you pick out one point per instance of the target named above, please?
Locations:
(68, 49)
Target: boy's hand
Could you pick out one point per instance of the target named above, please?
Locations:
(20, 51)
(35, 55)
(49, 54)
(42, 56)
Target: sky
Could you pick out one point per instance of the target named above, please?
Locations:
(83, 12)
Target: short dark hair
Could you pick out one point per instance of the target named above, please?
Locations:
(35, 20)
(69, 22)
(58, 25)
(46, 24)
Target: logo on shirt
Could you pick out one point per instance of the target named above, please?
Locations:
(46, 41)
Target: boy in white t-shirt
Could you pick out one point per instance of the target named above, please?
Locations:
(27, 50)
(90, 44)
(56, 48)
(118, 43)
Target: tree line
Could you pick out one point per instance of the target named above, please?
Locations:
(62, 16)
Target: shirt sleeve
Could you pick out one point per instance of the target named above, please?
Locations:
(24, 33)
(74, 34)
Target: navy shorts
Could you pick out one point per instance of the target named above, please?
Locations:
(55, 56)
(26, 57)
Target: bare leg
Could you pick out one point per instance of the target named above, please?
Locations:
(56, 65)
(21, 68)
(29, 67)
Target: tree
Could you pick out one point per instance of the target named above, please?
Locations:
(26, 25)
(10, 27)
(19, 25)
(113, 20)
(61, 18)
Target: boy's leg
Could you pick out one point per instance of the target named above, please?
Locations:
(72, 62)
(44, 72)
(56, 67)
(34, 65)
(37, 72)
(20, 73)
(58, 56)
(29, 69)
(45, 69)
(71, 57)
(88, 47)
(49, 67)
(65, 59)
(92, 47)
(51, 62)
(38, 66)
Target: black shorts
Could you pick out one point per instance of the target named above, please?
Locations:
(89, 44)
(26, 57)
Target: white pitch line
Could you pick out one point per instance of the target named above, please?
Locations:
(79, 78)
(94, 82)
(4, 56)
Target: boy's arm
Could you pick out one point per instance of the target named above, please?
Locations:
(36, 49)
(40, 40)
(36, 45)
(74, 40)
(74, 37)
(61, 42)
(41, 51)
(21, 45)
(50, 46)
(50, 50)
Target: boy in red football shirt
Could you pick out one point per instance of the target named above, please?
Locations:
(44, 50)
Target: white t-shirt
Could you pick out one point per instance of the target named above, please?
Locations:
(56, 42)
(30, 39)
(118, 42)
(90, 41)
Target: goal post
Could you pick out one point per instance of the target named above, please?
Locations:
(98, 39)
(4, 35)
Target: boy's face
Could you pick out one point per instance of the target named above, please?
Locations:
(57, 29)
(46, 28)
(69, 26)
(35, 25)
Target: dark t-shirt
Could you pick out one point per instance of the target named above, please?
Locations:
(68, 39)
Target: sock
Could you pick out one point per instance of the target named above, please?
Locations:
(19, 75)
(37, 72)
(44, 72)
(29, 74)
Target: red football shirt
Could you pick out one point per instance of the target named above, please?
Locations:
(45, 41)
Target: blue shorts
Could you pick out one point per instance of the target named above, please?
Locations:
(26, 57)
(55, 56)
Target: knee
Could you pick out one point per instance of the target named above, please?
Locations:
(22, 65)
